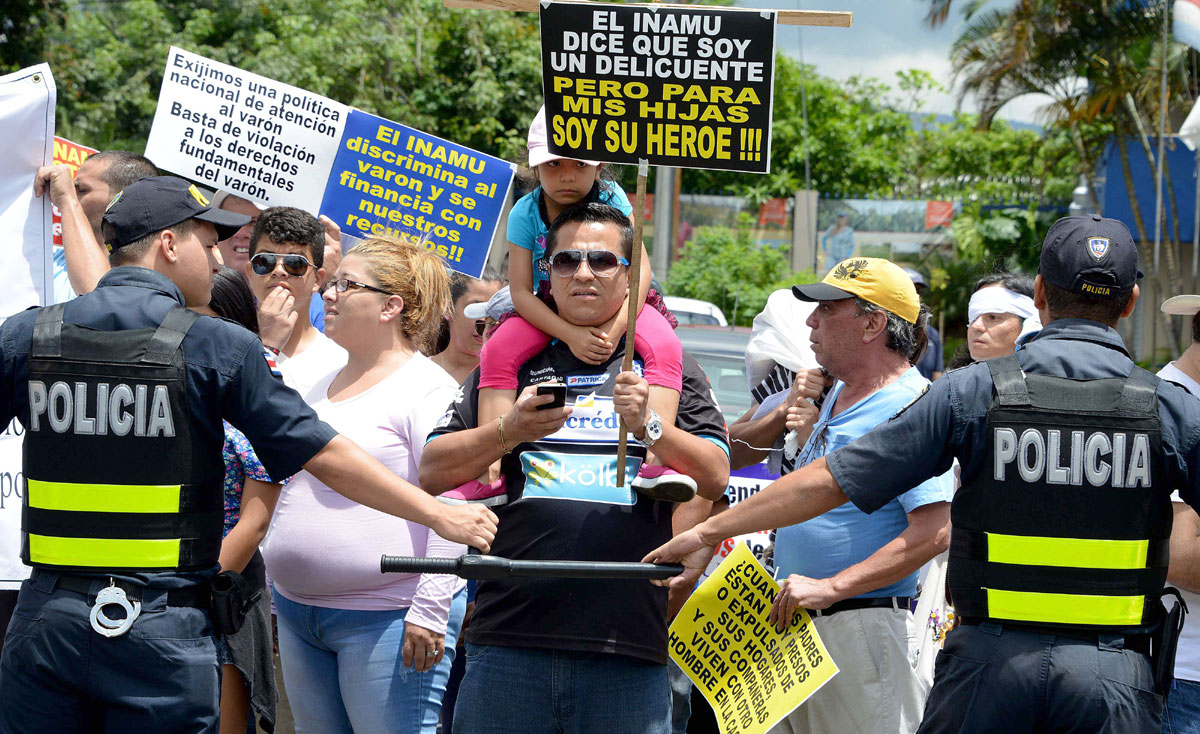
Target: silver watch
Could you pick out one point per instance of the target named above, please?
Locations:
(653, 429)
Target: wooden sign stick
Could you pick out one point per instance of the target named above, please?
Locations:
(823, 18)
(635, 275)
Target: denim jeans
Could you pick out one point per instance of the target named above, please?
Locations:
(345, 674)
(516, 690)
(1182, 713)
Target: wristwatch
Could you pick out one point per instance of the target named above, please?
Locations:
(653, 429)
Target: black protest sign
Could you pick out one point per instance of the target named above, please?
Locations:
(686, 87)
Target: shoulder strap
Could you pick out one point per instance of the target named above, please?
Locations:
(1009, 380)
(169, 336)
(47, 332)
(1139, 392)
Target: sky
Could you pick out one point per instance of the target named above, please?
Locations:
(887, 35)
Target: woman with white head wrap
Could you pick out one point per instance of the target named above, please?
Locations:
(1000, 315)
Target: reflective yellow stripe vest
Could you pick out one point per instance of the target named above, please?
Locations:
(1069, 521)
(116, 478)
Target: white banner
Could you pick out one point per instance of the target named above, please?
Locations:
(266, 141)
(27, 100)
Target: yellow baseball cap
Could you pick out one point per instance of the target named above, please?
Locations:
(872, 279)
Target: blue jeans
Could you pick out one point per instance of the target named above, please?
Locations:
(1182, 713)
(515, 690)
(345, 674)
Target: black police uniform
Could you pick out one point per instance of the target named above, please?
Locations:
(1059, 540)
(122, 393)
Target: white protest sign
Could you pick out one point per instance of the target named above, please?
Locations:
(27, 100)
(268, 142)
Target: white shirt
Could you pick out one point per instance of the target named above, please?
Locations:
(1187, 659)
(304, 370)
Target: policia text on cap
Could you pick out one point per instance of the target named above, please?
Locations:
(1058, 552)
(122, 392)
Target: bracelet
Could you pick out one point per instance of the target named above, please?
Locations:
(274, 350)
(500, 434)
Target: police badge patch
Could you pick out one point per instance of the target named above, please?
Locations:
(1097, 247)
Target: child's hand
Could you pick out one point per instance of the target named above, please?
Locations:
(589, 344)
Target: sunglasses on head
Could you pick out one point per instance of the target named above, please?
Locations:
(264, 263)
(602, 263)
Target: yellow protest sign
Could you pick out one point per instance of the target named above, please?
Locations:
(751, 674)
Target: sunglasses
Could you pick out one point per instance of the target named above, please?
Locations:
(294, 265)
(344, 284)
(602, 263)
(480, 326)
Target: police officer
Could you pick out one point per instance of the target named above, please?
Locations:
(1060, 536)
(121, 393)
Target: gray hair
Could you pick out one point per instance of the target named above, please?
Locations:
(905, 338)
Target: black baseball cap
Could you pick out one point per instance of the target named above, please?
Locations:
(1091, 255)
(160, 202)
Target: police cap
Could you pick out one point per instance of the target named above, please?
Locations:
(160, 202)
(1090, 255)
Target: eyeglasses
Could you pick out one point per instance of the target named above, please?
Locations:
(264, 263)
(602, 263)
(344, 284)
(480, 326)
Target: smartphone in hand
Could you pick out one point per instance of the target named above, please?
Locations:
(558, 390)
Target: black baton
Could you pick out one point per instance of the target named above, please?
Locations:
(493, 567)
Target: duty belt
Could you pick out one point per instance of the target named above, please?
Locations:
(126, 596)
(879, 602)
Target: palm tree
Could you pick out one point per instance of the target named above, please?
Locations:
(1100, 62)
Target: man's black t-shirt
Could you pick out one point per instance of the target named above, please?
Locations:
(564, 505)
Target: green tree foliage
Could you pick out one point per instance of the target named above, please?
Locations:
(471, 76)
(725, 267)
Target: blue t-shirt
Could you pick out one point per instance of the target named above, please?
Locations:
(527, 225)
(316, 312)
(845, 535)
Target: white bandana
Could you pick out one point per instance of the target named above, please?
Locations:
(996, 299)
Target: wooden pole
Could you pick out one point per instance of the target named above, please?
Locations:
(823, 18)
(635, 274)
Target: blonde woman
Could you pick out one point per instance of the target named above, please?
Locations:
(363, 652)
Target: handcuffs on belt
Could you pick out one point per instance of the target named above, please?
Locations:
(114, 594)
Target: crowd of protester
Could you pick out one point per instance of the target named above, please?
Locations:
(434, 375)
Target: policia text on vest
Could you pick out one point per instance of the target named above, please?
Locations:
(143, 409)
(139, 493)
(1071, 527)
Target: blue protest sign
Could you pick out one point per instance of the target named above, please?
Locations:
(390, 179)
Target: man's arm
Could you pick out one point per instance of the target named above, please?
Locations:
(451, 459)
(349, 470)
(802, 495)
(87, 260)
(926, 536)
(1184, 570)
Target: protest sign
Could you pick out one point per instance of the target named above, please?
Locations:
(27, 100)
(751, 674)
(689, 87)
(268, 142)
(390, 179)
(278, 145)
(71, 155)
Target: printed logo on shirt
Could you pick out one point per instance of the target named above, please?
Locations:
(445, 419)
(579, 477)
(592, 420)
(587, 380)
(638, 369)
(458, 396)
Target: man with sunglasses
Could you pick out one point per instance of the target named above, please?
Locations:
(858, 572)
(287, 250)
(603, 643)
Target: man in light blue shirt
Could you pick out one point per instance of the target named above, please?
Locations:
(858, 572)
